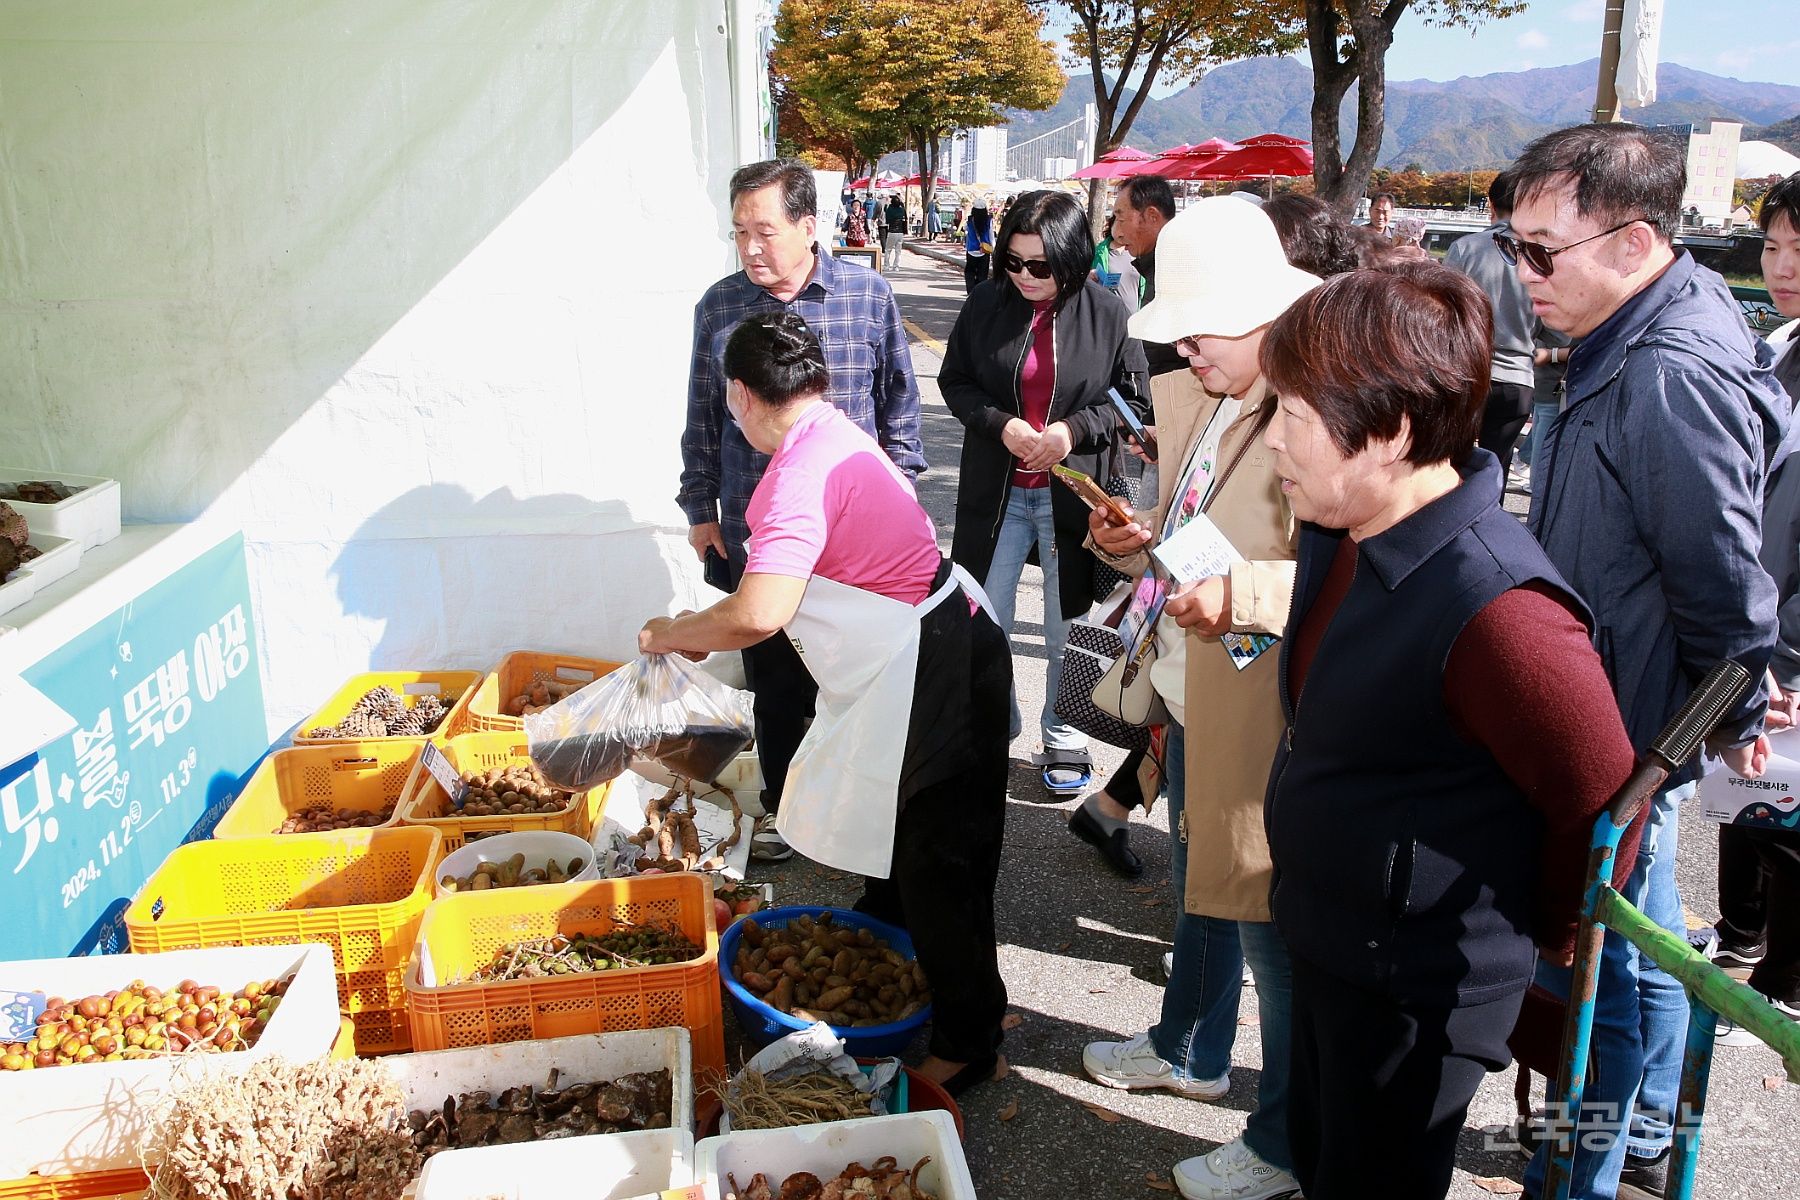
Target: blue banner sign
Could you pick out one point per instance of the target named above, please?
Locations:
(167, 693)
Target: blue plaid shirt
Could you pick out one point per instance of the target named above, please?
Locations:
(852, 312)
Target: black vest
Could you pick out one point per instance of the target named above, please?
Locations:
(1405, 859)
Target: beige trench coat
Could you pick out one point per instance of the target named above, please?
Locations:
(1234, 720)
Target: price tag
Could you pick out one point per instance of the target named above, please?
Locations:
(1196, 551)
(444, 773)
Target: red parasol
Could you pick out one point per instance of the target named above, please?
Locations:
(1260, 162)
(1273, 139)
(1194, 162)
(1108, 164)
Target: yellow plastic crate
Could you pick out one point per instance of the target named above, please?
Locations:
(91, 1185)
(458, 684)
(517, 671)
(362, 892)
(367, 776)
(462, 932)
(426, 803)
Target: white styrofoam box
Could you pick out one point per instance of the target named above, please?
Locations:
(94, 1116)
(537, 845)
(608, 1166)
(58, 560)
(742, 775)
(16, 589)
(431, 1075)
(827, 1149)
(90, 516)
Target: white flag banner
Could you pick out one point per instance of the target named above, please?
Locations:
(1638, 41)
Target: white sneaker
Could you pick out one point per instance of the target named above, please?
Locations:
(1233, 1172)
(1136, 1064)
(766, 844)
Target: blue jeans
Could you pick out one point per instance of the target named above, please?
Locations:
(1028, 521)
(1542, 413)
(1200, 1004)
(1640, 1025)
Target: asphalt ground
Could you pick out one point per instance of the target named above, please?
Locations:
(1080, 952)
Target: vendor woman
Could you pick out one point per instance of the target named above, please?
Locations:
(842, 559)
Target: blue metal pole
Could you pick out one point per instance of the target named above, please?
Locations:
(1690, 1111)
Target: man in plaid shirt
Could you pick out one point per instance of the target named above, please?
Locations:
(774, 220)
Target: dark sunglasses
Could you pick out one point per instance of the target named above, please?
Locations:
(1037, 268)
(1541, 258)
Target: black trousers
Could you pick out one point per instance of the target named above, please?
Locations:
(946, 865)
(1124, 786)
(1380, 1089)
(974, 271)
(1759, 903)
(1508, 405)
(785, 697)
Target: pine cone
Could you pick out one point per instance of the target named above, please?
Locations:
(383, 702)
(12, 525)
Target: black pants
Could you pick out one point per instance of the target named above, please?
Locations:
(1380, 1089)
(974, 271)
(785, 695)
(1124, 786)
(946, 865)
(1508, 405)
(1759, 903)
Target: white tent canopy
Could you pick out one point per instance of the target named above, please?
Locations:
(404, 290)
(1757, 160)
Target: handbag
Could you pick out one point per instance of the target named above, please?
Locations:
(1092, 648)
(1128, 486)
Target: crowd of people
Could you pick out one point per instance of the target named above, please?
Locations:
(1386, 712)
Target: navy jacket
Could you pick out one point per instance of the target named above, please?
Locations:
(1649, 497)
(1405, 857)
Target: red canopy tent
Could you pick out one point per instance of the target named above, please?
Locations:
(1108, 165)
(913, 181)
(1152, 166)
(1273, 139)
(1194, 162)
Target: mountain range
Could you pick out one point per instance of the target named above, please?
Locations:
(1470, 122)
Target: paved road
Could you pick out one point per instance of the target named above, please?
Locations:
(1079, 950)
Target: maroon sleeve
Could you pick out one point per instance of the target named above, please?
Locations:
(1524, 682)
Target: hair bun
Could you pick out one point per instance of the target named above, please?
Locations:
(794, 342)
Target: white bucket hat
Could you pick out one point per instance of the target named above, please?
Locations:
(1220, 270)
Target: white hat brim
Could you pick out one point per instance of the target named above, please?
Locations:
(1225, 308)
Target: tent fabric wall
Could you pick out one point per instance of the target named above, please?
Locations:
(406, 290)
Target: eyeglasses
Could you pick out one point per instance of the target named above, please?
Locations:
(1541, 258)
(1037, 268)
(1188, 347)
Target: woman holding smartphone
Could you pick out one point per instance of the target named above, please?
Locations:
(1026, 371)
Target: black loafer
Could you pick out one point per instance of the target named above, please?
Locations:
(1114, 847)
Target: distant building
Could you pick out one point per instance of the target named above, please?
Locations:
(1711, 169)
(977, 156)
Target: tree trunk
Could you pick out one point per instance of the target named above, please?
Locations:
(1337, 182)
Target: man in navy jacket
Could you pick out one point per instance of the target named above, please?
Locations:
(1648, 498)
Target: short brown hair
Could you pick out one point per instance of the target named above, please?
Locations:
(1367, 348)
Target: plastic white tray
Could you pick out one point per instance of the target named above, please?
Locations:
(90, 516)
(537, 845)
(93, 1117)
(58, 560)
(610, 1166)
(827, 1149)
(428, 1077)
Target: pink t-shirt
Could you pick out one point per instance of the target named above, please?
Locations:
(832, 504)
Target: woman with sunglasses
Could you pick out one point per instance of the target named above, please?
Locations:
(1026, 371)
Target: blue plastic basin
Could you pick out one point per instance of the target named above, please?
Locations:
(763, 1024)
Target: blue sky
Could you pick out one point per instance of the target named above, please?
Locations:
(1754, 40)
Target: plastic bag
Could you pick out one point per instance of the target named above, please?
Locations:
(816, 1049)
(660, 707)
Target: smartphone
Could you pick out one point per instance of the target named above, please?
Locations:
(1092, 494)
(1145, 442)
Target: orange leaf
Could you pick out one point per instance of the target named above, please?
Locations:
(1011, 1021)
(1105, 1114)
(1010, 1111)
(1159, 1182)
(1065, 945)
(1498, 1186)
(1772, 1083)
(1143, 889)
(1154, 901)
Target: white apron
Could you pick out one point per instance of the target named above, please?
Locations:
(843, 788)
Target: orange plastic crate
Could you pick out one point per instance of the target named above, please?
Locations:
(458, 684)
(362, 892)
(366, 776)
(425, 803)
(517, 671)
(89, 1185)
(462, 932)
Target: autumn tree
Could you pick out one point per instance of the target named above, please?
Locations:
(850, 143)
(920, 69)
(1348, 41)
(1138, 42)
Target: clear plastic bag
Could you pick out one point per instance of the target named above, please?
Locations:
(659, 707)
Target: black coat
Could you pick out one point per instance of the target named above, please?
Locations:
(980, 384)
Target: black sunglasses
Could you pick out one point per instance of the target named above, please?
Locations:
(1539, 257)
(1037, 268)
